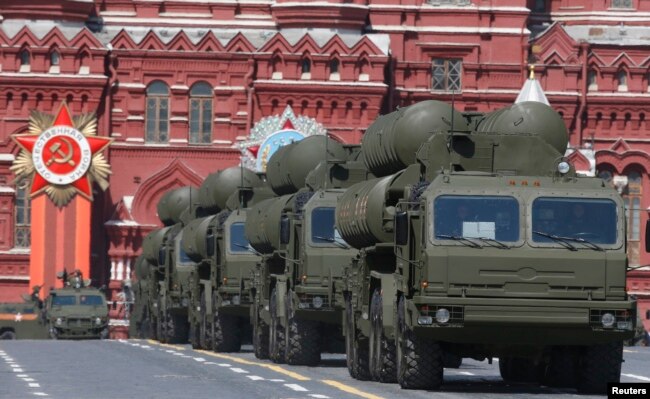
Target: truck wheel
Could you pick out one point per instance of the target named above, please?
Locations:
(195, 336)
(227, 337)
(419, 360)
(145, 324)
(260, 338)
(561, 371)
(8, 335)
(276, 336)
(302, 340)
(517, 369)
(53, 332)
(599, 364)
(176, 329)
(382, 360)
(356, 347)
(104, 333)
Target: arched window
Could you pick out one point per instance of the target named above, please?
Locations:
(277, 67)
(22, 225)
(55, 60)
(25, 60)
(334, 70)
(157, 113)
(592, 80)
(621, 80)
(201, 114)
(305, 67)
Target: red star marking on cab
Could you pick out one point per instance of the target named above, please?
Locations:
(62, 154)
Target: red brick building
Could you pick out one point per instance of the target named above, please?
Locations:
(178, 83)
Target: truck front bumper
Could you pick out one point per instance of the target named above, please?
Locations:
(521, 321)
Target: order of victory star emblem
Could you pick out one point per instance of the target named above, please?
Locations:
(62, 156)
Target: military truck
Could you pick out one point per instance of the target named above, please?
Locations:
(169, 269)
(471, 250)
(296, 314)
(23, 320)
(139, 318)
(76, 311)
(220, 286)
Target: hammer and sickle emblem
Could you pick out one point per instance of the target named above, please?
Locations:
(64, 157)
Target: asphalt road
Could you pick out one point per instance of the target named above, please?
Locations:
(146, 369)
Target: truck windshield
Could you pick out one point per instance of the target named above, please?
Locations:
(90, 300)
(323, 230)
(577, 219)
(473, 216)
(64, 300)
(238, 240)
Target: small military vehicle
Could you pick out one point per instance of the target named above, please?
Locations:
(23, 320)
(76, 311)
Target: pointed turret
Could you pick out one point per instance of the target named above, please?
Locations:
(532, 91)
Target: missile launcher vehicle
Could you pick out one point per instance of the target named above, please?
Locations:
(169, 269)
(297, 314)
(478, 247)
(221, 284)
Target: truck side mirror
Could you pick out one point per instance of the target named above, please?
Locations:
(647, 236)
(401, 228)
(284, 230)
(209, 245)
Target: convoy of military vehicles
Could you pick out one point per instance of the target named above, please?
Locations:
(444, 235)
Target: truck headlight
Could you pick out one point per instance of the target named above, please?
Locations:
(608, 320)
(59, 321)
(442, 315)
(236, 300)
(98, 321)
(317, 302)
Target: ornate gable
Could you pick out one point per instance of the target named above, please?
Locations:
(365, 45)
(123, 41)
(151, 41)
(239, 44)
(209, 43)
(181, 42)
(176, 174)
(277, 43)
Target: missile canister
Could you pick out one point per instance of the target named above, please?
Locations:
(289, 166)
(361, 213)
(174, 202)
(152, 244)
(390, 143)
(217, 187)
(263, 223)
(194, 238)
(527, 118)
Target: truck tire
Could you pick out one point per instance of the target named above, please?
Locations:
(598, 365)
(383, 367)
(420, 363)
(562, 368)
(8, 335)
(302, 340)
(227, 337)
(356, 346)
(176, 329)
(517, 369)
(260, 338)
(277, 349)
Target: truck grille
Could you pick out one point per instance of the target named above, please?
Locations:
(595, 316)
(456, 313)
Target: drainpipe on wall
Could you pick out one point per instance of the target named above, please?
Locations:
(584, 47)
(250, 90)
